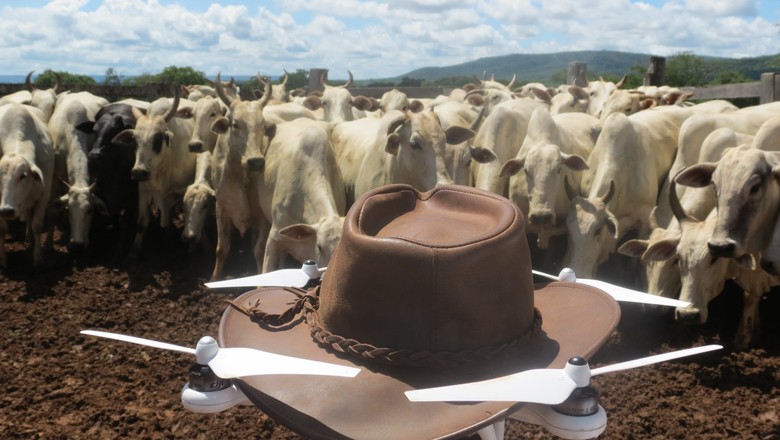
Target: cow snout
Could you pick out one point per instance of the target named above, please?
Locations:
(7, 212)
(541, 218)
(722, 249)
(688, 316)
(196, 146)
(140, 175)
(255, 163)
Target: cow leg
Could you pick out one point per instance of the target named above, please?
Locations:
(224, 226)
(144, 200)
(3, 231)
(37, 226)
(261, 242)
(749, 323)
(271, 258)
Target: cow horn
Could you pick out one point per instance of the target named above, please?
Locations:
(221, 91)
(514, 77)
(349, 81)
(674, 202)
(477, 80)
(27, 81)
(324, 79)
(175, 106)
(478, 120)
(653, 219)
(610, 192)
(286, 76)
(58, 83)
(266, 90)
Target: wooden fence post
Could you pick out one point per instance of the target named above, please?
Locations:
(655, 72)
(770, 87)
(577, 74)
(315, 75)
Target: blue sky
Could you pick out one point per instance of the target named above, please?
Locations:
(373, 39)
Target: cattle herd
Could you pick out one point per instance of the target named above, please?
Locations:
(691, 190)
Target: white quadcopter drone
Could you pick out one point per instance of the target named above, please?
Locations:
(560, 400)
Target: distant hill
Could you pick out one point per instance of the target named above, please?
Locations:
(550, 68)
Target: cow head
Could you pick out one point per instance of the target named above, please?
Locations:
(626, 102)
(43, 99)
(748, 198)
(702, 275)
(593, 231)
(336, 101)
(205, 112)
(22, 186)
(244, 129)
(393, 100)
(545, 167)
(309, 242)
(199, 202)
(599, 93)
(152, 137)
(81, 204)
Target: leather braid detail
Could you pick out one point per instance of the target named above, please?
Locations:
(308, 305)
(413, 358)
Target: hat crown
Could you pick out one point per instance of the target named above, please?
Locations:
(442, 271)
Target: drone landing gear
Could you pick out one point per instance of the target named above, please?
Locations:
(561, 425)
(205, 402)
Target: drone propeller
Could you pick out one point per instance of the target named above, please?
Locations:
(615, 291)
(546, 386)
(228, 363)
(283, 277)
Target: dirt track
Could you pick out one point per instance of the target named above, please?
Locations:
(58, 384)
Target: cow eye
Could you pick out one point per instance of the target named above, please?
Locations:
(754, 189)
(416, 145)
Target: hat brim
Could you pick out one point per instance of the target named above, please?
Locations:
(577, 320)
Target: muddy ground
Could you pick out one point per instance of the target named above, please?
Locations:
(58, 384)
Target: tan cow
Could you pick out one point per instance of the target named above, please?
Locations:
(42, 99)
(26, 172)
(206, 110)
(237, 162)
(164, 165)
(401, 147)
(302, 195)
(337, 102)
(555, 148)
(71, 144)
(199, 202)
(626, 169)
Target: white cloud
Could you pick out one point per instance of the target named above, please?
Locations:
(374, 39)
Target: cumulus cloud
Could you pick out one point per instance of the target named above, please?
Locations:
(374, 39)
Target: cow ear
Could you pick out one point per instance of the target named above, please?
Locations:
(476, 100)
(220, 126)
(298, 232)
(579, 93)
(574, 161)
(87, 127)
(312, 102)
(482, 155)
(457, 134)
(634, 248)
(511, 167)
(124, 137)
(416, 106)
(541, 94)
(696, 176)
(662, 250)
(361, 102)
(393, 143)
(270, 131)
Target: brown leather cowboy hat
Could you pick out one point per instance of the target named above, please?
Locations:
(423, 290)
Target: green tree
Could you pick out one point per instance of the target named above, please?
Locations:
(730, 77)
(685, 69)
(48, 79)
(410, 82)
(171, 74)
(112, 77)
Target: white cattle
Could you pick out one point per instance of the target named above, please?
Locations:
(163, 166)
(626, 169)
(693, 132)
(748, 198)
(203, 114)
(555, 149)
(599, 93)
(663, 277)
(288, 111)
(301, 194)
(703, 276)
(400, 147)
(393, 100)
(337, 102)
(199, 201)
(279, 91)
(459, 156)
(573, 99)
(502, 132)
(236, 165)
(42, 99)
(26, 172)
(70, 128)
(627, 102)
